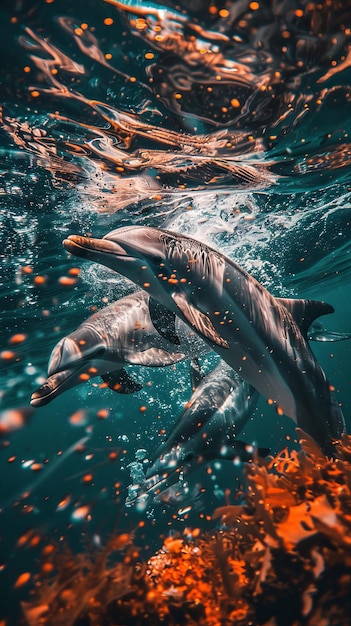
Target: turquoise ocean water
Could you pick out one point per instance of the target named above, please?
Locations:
(229, 122)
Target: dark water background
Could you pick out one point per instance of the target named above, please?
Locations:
(229, 123)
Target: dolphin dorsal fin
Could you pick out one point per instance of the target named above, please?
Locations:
(164, 321)
(305, 312)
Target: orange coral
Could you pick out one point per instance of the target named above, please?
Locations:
(284, 557)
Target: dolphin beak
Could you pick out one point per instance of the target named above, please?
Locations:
(51, 388)
(65, 354)
(55, 385)
(93, 249)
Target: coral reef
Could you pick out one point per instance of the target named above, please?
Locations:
(282, 558)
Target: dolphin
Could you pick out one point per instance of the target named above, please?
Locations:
(120, 334)
(206, 430)
(262, 337)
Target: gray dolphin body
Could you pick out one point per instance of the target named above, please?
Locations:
(262, 337)
(207, 429)
(120, 334)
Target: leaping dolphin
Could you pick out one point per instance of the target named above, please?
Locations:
(207, 429)
(120, 334)
(262, 337)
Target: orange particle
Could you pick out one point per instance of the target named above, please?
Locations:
(84, 376)
(87, 479)
(108, 56)
(146, 285)
(132, 79)
(39, 280)
(213, 10)
(26, 69)
(149, 55)
(74, 271)
(108, 21)
(235, 103)
(23, 579)
(84, 26)
(36, 467)
(13, 20)
(299, 12)
(142, 409)
(141, 23)
(113, 456)
(270, 401)
(254, 6)
(178, 96)
(18, 338)
(223, 13)
(49, 549)
(67, 281)
(7, 355)
(78, 31)
(78, 418)
(102, 414)
(331, 387)
(35, 93)
(47, 568)
(279, 410)
(23, 539)
(61, 506)
(157, 197)
(35, 540)
(11, 459)
(27, 269)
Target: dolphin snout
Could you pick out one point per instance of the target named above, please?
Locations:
(88, 247)
(63, 356)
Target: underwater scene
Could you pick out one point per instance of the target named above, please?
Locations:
(175, 358)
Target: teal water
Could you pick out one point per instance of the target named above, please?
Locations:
(231, 124)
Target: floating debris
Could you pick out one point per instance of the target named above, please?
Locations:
(282, 557)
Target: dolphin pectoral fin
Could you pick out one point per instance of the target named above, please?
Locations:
(196, 375)
(305, 312)
(164, 321)
(199, 320)
(155, 357)
(121, 382)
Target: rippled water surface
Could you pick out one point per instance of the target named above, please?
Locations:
(229, 122)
